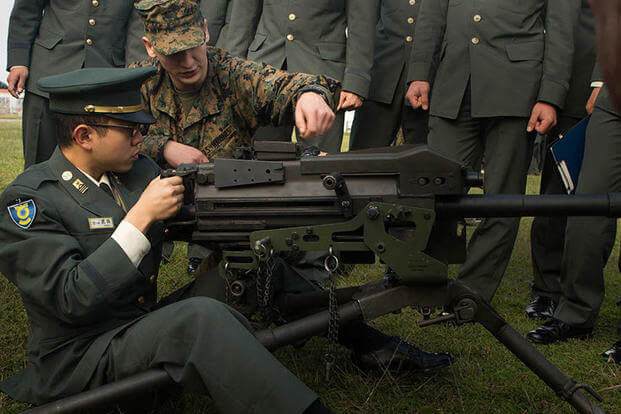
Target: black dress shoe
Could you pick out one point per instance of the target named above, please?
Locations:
(398, 355)
(555, 331)
(193, 265)
(613, 355)
(541, 307)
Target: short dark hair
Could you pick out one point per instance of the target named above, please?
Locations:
(65, 124)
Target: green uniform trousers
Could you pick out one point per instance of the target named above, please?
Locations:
(589, 240)
(547, 234)
(506, 148)
(38, 129)
(376, 124)
(206, 346)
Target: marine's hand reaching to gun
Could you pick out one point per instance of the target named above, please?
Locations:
(176, 153)
(313, 116)
(418, 95)
(18, 75)
(160, 200)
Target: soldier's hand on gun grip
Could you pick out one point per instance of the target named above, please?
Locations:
(591, 102)
(161, 199)
(313, 116)
(18, 75)
(542, 119)
(176, 153)
(418, 95)
(349, 101)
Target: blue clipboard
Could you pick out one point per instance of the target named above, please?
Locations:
(568, 153)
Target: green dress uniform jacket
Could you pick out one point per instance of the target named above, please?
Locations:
(236, 98)
(77, 298)
(394, 37)
(58, 36)
(512, 53)
(385, 110)
(310, 36)
(218, 15)
(583, 63)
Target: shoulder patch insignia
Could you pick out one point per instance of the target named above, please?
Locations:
(23, 214)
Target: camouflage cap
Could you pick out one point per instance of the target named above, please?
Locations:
(172, 25)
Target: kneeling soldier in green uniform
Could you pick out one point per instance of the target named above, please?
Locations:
(81, 239)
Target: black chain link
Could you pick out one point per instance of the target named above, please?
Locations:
(331, 265)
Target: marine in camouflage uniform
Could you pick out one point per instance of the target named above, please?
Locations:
(236, 98)
(232, 100)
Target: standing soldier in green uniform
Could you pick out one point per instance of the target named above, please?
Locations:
(81, 239)
(588, 240)
(378, 120)
(309, 36)
(547, 236)
(51, 37)
(607, 14)
(208, 103)
(503, 72)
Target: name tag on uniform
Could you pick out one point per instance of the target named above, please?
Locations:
(96, 223)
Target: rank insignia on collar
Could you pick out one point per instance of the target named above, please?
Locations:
(23, 214)
(80, 186)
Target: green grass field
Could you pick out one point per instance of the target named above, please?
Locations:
(486, 377)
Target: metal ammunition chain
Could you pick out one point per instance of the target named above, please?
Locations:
(264, 284)
(228, 275)
(331, 264)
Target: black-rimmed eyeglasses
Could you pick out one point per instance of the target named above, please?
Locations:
(135, 129)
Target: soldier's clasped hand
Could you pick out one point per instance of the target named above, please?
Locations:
(542, 119)
(161, 199)
(18, 75)
(418, 95)
(313, 116)
(349, 101)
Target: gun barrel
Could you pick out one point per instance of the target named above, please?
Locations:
(504, 205)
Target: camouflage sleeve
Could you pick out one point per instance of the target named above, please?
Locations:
(153, 146)
(267, 96)
(155, 135)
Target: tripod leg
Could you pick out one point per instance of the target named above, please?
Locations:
(483, 313)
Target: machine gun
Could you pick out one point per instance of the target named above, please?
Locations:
(402, 205)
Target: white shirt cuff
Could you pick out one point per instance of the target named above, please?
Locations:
(132, 242)
(597, 84)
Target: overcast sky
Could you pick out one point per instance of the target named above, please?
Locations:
(5, 11)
